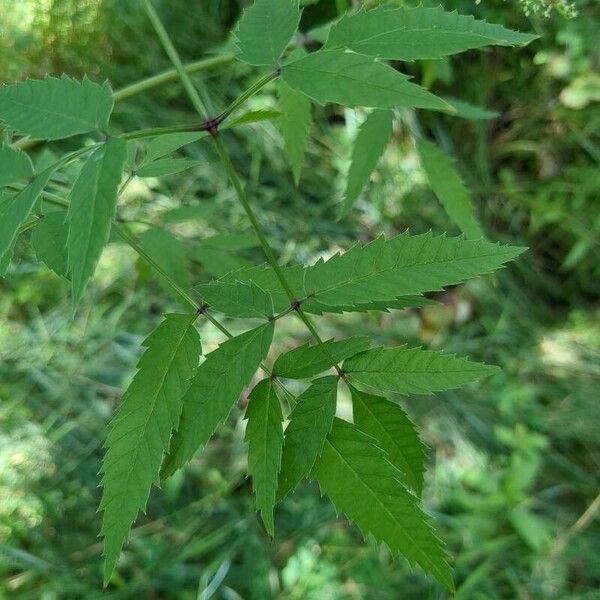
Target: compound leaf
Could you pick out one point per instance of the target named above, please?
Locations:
(418, 33)
(141, 429)
(357, 476)
(265, 30)
(15, 209)
(237, 299)
(214, 390)
(449, 187)
(306, 361)
(93, 202)
(395, 433)
(55, 108)
(404, 265)
(369, 146)
(353, 80)
(414, 371)
(49, 241)
(294, 125)
(310, 422)
(264, 435)
(15, 166)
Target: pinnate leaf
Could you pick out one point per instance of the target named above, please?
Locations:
(55, 108)
(354, 80)
(264, 435)
(309, 424)
(306, 361)
(265, 30)
(14, 210)
(395, 433)
(294, 125)
(237, 299)
(141, 429)
(449, 187)
(93, 202)
(358, 478)
(214, 390)
(369, 146)
(418, 33)
(15, 166)
(414, 371)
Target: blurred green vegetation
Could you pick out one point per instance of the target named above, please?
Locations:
(513, 463)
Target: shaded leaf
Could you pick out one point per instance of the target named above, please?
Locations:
(237, 299)
(15, 166)
(141, 429)
(369, 146)
(418, 33)
(216, 387)
(264, 435)
(166, 166)
(294, 125)
(449, 187)
(395, 433)
(466, 110)
(309, 424)
(166, 144)
(15, 209)
(414, 371)
(55, 108)
(361, 482)
(265, 30)
(49, 241)
(354, 80)
(306, 361)
(92, 206)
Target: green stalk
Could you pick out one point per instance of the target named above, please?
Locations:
(228, 165)
(251, 91)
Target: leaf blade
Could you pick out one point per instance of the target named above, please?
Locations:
(369, 146)
(237, 299)
(264, 436)
(92, 206)
(414, 371)
(55, 108)
(15, 166)
(356, 475)
(309, 423)
(140, 430)
(214, 390)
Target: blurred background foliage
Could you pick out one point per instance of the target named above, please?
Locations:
(513, 464)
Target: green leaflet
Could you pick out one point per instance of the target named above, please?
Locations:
(54, 108)
(92, 206)
(306, 361)
(265, 30)
(395, 433)
(15, 166)
(49, 241)
(216, 387)
(449, 187)
(265, 278)
(369, 146)
(166, 144)
(310, 422)
(168, 252)
(354, 80)
(166, 166)
(294, 125)
(413, 371)
(264, 435)
(418, 33)
(404, 265)
(466, 110)
(15, 209)
(237, 299)
(252, 116)
(361, 482)
(141, 429)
